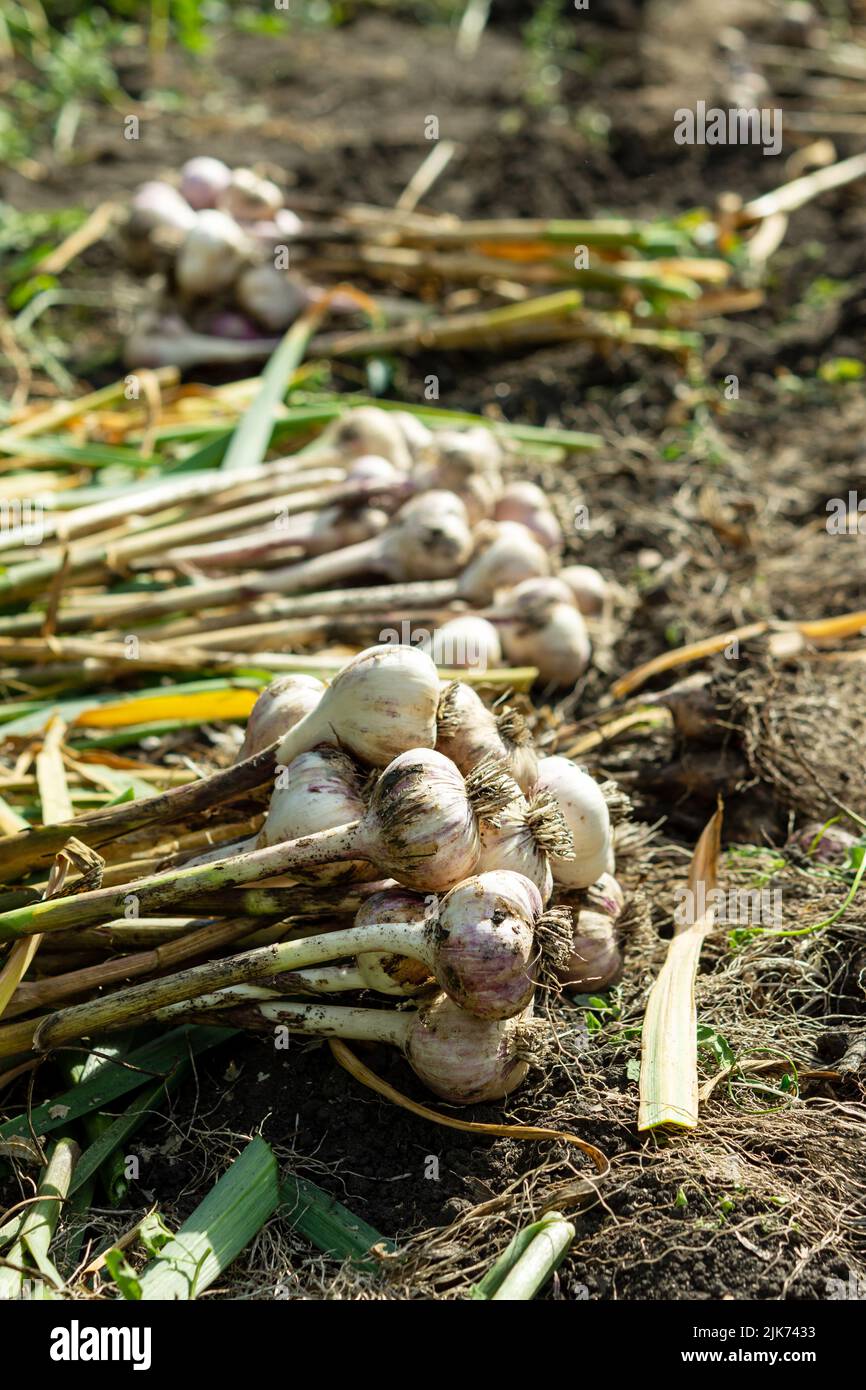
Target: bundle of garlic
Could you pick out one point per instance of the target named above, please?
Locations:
(221, 239)
(496, 889)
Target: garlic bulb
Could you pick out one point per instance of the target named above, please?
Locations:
(590, 589)
(269, 297)
(485, 942)
(582, 803)
(416, 434)
(281, 705)
(465, 643)
(429, 538)
(508, 554)
(522, 837)
(212, 253)
(366, 430)
(526, 503)
(382, 702)
(203, 180)
(465, 462)
(465, 1060)
(468, 732)
(317, 791)
(373, 468)
(560, 648)
(596, 961)
(159, 218)
(250, 198)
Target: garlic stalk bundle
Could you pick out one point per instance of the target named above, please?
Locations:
(319, 790)
(462, 1059)
(269, 297)
(464, 643)
(429, 538)
(167, 341)
(523, 836)
(526, 503)
(281, 706)
(468, 732)
(507, 555)
(589, 588)
(421, 828)
(203, 180)
(583, 805)
(212, 253)
(250, 198)
(485, 942)
(381, 703)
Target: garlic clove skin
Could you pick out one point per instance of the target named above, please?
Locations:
(249, 198)
(582, 803)
(466, 643)
(467, 1060)
(560, 649)
(211, 256)
(589, 588)
(281, 705)
(381, 703)
(203, 180)
(420, 826)
(507, 555)
(269, 296)
(320, 790)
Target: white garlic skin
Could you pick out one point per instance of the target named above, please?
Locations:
(582, 803)
(590, 589)
(213, 252)
(465, 643)
(430, 538)
(319, 790)
(463, 1059)
(560, 649)
(510, 555)
(369, 430)
(526, 503)
(382, 702)
(250, 198)
(383, 970)
(281, 706)
(269, 297)
(158, 204)
(202, 180)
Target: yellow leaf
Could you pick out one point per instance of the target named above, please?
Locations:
(205, 704)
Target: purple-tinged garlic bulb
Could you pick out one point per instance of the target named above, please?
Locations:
(468, 732)
(249, 198)
(523, 836)
(203, 180)
(526, 503)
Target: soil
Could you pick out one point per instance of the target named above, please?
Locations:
(710, 511)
